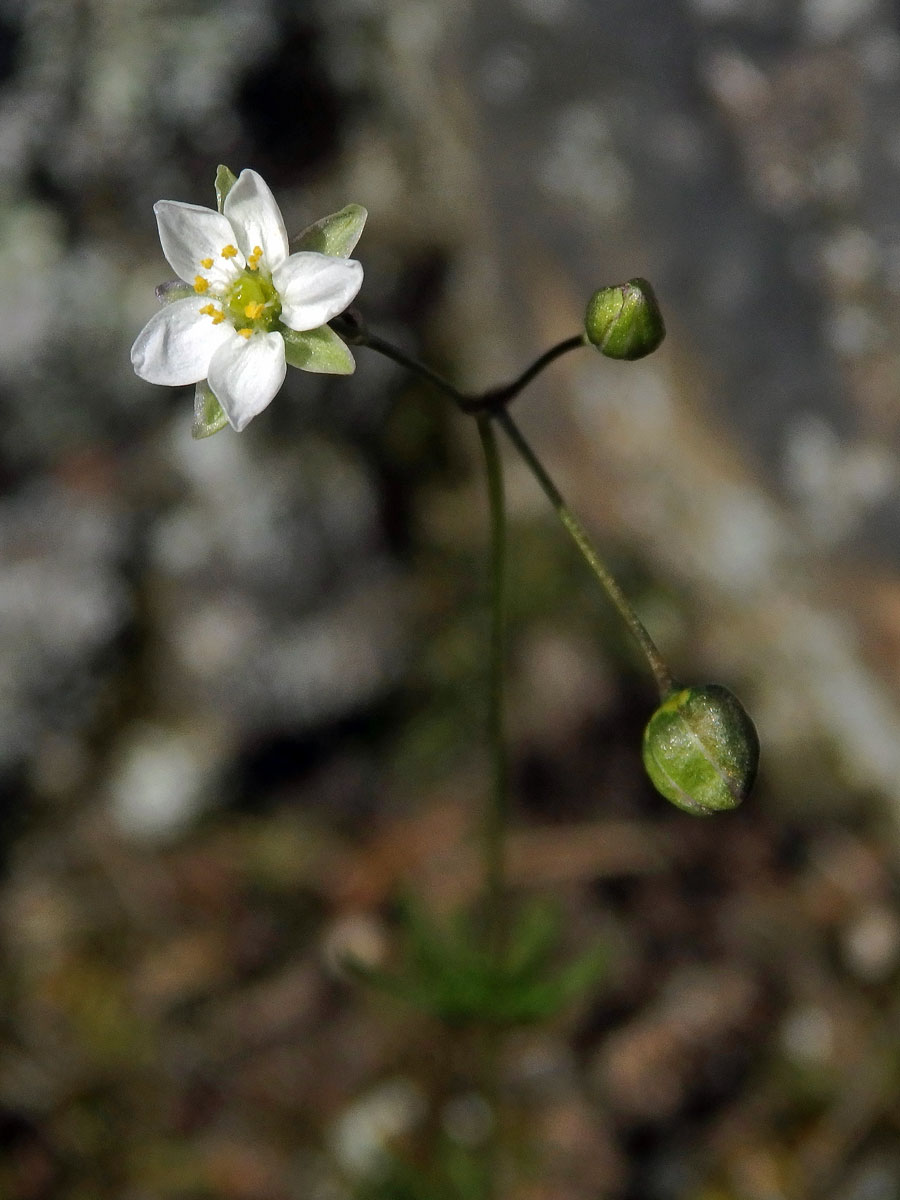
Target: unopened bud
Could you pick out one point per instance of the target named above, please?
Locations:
(701, 749)
(624, 321)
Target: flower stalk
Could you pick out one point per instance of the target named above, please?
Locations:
(496, 810)
(493, 405)
(578, 534)
(496, 813)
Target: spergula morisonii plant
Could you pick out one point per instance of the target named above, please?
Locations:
(247, 304)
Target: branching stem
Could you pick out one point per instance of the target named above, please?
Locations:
(493, 405)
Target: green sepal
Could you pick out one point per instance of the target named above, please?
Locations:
(336, 234)
(625, 321)
(319, 350)
(701, 749)
(174, 289)
(208, 415)
(225, 181)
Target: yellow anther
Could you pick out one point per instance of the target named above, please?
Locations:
(206, 263)
(229, 251)
(210, 310)
(200, 284)
(254, 310)
(253, 260)
(245, 333)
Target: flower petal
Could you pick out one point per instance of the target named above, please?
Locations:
(189, 233)
(313, 288)
(177, 344)
(245, 374)
(256, 219)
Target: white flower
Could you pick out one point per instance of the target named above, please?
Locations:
(250, 307)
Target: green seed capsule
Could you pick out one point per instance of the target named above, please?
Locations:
(624, 321)
(701, 749)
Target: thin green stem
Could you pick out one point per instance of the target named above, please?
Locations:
(351, 327)
(413, 364)
(499, 397)
(488, 407)
(579, 536)
(492, 404)
(497, 809)
(496, 814)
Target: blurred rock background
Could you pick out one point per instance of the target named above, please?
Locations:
(240, 679)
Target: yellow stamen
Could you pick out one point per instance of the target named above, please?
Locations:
(200, 284)
(229, 251)
(253, 260)
(245, 333)
(254, 310)
(206, 263)
(210, 310)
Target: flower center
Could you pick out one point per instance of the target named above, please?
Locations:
(249, 304)
(252, 302)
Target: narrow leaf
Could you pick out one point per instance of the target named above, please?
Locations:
(319, 350)
(208, 415)
(532, 940)
(336, 234)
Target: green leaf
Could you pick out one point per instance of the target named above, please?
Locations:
(225, 181)
(533, 938)
(208, 415)
(544, 998)
(319, 350)
(452, 1172)
(336, 234)
(582, 973)
(450, 972)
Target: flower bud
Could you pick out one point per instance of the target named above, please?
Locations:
(701, 749)
(624, 321)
